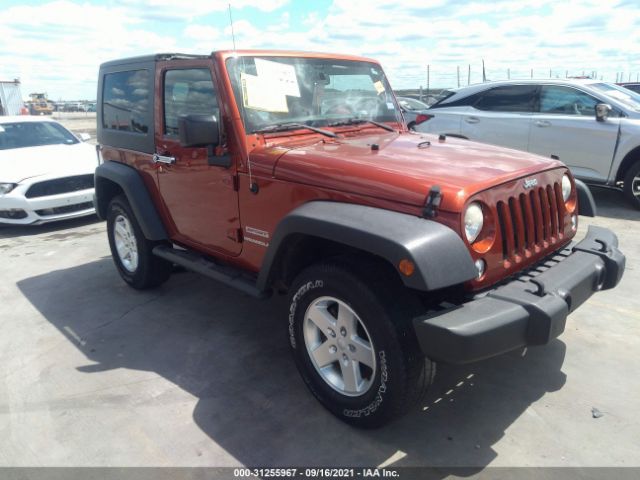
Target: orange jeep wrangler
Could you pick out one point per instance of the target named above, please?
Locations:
(295, 173)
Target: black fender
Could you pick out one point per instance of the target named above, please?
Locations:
(131, 183)
(586, 203)
(440, 256)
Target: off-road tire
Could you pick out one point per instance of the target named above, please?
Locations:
(151, 271)
(631, 180)
(403, 374)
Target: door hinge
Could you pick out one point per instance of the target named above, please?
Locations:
(232, 181)
(235, 234)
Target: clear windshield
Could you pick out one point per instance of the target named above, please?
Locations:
(33, 134)
(314, 91)
(625, 96)
(412, 104)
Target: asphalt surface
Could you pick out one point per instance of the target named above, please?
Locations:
(93, 373)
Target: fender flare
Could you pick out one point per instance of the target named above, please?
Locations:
(439, 254)
(131, 183)
(586, 203)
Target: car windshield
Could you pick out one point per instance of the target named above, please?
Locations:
(34, 134)
(273, 91)
(623, 95)
(412, 104)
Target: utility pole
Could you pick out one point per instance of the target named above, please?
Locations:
(550, 74)
(566, 74)
(484, 74)
(428, 73)
(458, 69)
(469, 76)
(508, 74)
(532, 73)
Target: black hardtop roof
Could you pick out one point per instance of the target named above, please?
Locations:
(158, 57)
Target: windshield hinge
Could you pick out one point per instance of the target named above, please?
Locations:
(433, 202)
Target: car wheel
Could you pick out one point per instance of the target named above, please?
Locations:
(632, 185)
(131, 251)
(357, 355)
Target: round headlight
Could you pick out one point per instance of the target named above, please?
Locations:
(566, 187)
(473, 221)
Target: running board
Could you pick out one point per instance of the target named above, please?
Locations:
(230, 276)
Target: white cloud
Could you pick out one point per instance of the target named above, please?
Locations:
(58, 45)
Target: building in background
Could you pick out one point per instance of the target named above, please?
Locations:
(10, 98)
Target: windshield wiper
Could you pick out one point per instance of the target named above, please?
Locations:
(282, 127)
(357, 121)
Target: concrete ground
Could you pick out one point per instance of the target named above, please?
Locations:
(94, 373)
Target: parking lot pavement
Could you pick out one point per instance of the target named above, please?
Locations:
(194, 373)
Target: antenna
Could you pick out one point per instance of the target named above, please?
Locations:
(253, 187)
(233, 36)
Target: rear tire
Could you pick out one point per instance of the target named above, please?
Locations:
(370, 372)
(632, 185)
(131, 251)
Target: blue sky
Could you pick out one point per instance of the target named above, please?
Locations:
(57, 45)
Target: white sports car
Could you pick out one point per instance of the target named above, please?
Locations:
(46, 172)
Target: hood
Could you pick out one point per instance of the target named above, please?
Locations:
(18, 164)
(403, 168)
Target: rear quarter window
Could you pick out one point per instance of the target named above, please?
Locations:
(126, 101)
(510, 98)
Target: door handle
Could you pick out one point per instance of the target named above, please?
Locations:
(472, 119)
(162, 159)
(543, 123)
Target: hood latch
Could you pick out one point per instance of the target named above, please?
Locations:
(433, 202)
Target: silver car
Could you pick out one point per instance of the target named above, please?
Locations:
(592, 126)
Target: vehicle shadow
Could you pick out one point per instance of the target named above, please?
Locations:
(13, 231)
(230, 351)
(612, 204)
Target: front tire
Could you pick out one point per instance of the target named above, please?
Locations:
(131, 251)
(632, 185)
(353, 344)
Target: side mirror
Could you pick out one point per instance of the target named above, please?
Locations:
(602, 111)
(85, 137)
(199, 130)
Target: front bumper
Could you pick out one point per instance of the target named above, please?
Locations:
(529, 310)
(35, 211)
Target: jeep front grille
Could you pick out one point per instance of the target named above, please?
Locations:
(531, 222)
(60, 185)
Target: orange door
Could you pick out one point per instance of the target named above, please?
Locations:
(201, 200)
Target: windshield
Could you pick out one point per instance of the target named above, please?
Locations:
(625, 96)
(34, 134)
(270, 91)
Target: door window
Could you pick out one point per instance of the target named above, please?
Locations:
(566, 101)
(187, 91)
(509, 98)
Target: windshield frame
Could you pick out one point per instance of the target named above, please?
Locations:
(634, 96)
(233, 66)
(72, 139)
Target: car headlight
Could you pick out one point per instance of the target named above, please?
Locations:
(473, 221)
(6, 187)
(566, 187)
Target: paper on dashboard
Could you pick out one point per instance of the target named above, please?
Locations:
(281, 75)
(259, 94)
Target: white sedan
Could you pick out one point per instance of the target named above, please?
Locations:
(46, 172)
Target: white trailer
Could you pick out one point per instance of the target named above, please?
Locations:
(10, 98)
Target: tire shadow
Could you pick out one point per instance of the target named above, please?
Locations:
(231, 352)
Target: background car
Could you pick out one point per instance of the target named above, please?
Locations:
(414, 111)
(634, 87)
(46, 172)
(592, 126)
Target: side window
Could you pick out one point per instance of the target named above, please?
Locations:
(566, 101)
(187, 91)
(510, 98)
(125, 101)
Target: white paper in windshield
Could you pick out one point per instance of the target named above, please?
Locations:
(280, 76)
(260, 95)
(1, 129)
